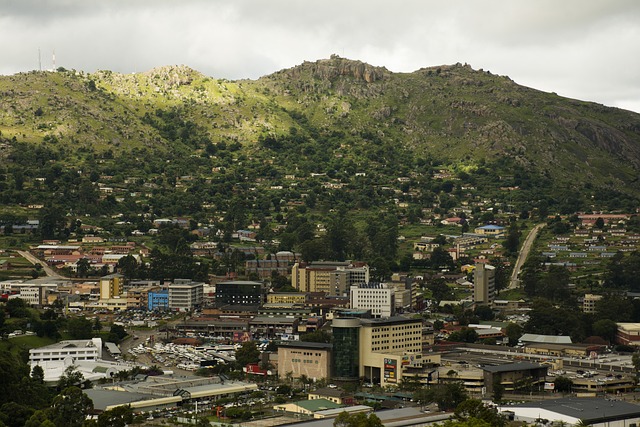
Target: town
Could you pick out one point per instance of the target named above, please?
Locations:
(282, 340)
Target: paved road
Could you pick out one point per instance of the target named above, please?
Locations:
(33, 260)
(524, 253)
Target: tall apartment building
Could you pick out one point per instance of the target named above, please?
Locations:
(334, 278)
(377, 297)
(185, 295)
(111, 286)
(484, 284)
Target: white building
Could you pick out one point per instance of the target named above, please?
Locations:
(377, 297)
(185, 295)
(74, 350)
(574, 411)
(484, 284)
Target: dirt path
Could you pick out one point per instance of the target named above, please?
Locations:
(524, 253)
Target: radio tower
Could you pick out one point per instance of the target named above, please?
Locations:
(54, 60)
(39, 60)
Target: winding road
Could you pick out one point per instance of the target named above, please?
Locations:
(524, 253)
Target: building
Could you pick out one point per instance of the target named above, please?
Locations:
(297, 358)
(573, 411)
(185, 295)
(307, 407)
(240, 292)
(484, 284)
(589, 303)
(491, 230)
(72, 350)
(333, 278)
(383, 351)
(377, 297)
(514, 376)
(287, 298)
(334, 394)
(111, 286)
(158, 300)
(628, 334)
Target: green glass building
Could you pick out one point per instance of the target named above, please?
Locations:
(346, 336)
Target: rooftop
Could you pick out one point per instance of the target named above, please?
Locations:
(508, 367)
(589, 410)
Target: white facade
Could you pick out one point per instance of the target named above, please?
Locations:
(185, 295)
(376, 297)
(484, 284)
(77, 350)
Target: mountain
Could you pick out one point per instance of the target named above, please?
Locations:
(336, 116)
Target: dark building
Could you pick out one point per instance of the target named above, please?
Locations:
(515, 376)
(240, 292)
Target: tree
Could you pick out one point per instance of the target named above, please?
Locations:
(17, 307)
(70, 407)
(83, 267)
(606, 329)
(563, 384)
(247, 353)
(70, 378)
(357, 420)
(120, 416)
(474, 408)
(79, 328)
(513, 332)
(447, 396)
(37, 374)
(599, 223)
(317, 336)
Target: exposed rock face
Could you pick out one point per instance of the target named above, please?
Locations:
(329, 69)
(336, 66)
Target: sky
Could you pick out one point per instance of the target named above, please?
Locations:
(583, 49)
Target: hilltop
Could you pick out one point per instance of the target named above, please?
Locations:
(334, 116)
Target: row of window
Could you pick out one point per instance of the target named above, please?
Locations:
(304, 361)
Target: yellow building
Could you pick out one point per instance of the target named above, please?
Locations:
(286, 298)
(334, 278)
(383, 351)
(297, 358)
(111, 286)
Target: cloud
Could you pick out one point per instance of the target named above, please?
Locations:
(577, 48)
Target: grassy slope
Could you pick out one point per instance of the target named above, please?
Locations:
(452, 113)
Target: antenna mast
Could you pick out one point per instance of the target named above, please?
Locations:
(39, 60)
(54, 60)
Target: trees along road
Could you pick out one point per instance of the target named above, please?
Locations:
(524, 253)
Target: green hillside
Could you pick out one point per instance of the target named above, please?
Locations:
(173, 141)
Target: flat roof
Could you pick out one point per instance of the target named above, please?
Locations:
(389, 321)
(588, 409)
(306, 344)
(315, 405)
(519, 366)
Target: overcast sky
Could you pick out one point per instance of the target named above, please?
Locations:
(584, 49)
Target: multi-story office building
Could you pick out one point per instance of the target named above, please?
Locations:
(240, 292)
(111, 286)
(304, 358)
(185, 295)
(77, 350)
(158, 300)
(287, 298)
(334, 278)
(383, 351)
(377, 297)
(589, 303)
(484, 284)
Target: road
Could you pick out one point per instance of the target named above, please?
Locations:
(524, 253)
(33, 260)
